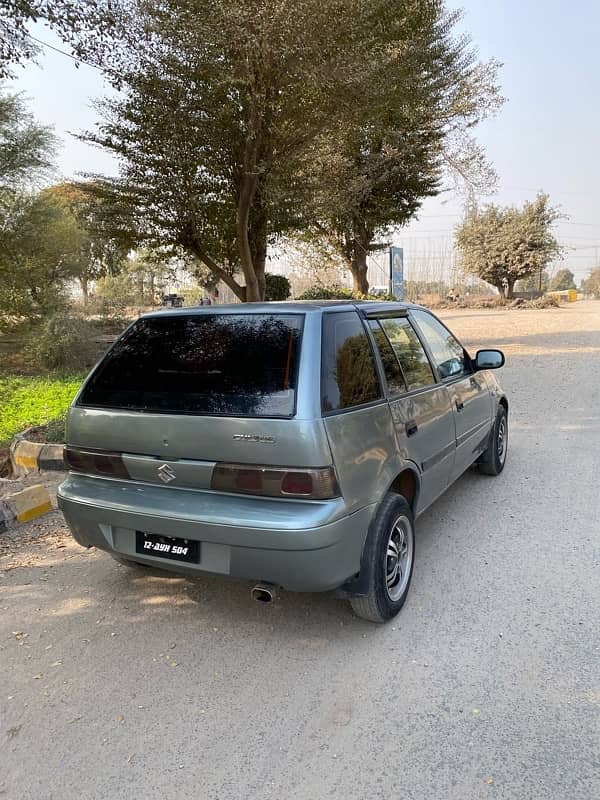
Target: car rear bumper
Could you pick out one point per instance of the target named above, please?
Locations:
(300, 546)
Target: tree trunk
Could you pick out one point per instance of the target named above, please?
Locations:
(139, 283)
(221, 274)
(362, 240)
(84, 283)
(258, 241)
(259, 269)
(510, 288)
(253, 293)
(248, 187)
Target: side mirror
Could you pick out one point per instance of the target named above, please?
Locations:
(489, 359)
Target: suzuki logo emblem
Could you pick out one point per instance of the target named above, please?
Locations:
(166, 473)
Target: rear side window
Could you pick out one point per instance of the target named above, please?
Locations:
(391, 367)
(219, 364)
(411, 355)
(348, 373)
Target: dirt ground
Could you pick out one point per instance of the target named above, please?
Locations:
(123, 684)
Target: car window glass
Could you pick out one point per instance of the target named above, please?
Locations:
(348, 373)
(408, 348)
(391, 367)
(221, 364)
(448, 354)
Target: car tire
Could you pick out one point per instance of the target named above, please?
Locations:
(492, 461)
(388, 561)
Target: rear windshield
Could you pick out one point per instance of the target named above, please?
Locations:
(220, 364)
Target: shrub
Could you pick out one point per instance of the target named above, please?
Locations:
(107, 309)
(62, 342)
(192, 295)
(278, 287)
(337, 292)
(56, 429)
(548, 301)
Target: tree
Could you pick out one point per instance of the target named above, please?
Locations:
(70, 18)
(428, 91)
(563, 280)
(534, 283)
(591, 285)
(240, 119)
(503, 245)
(221, 104)
(143, 275)
(26, 147)
(40, 243)
(103, 250)
(278, 287)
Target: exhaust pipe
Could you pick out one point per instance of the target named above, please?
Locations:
(263, 593)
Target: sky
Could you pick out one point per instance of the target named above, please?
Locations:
(545, 137)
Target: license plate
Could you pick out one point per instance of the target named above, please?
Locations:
(151, 544)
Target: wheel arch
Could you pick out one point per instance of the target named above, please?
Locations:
(407, 483)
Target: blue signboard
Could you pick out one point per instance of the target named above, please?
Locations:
(397, 272)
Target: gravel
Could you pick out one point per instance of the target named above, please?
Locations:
(119, 683)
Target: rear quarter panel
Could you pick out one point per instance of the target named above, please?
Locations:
(365, 453)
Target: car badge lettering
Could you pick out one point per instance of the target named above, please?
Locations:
(166, 473)
(253, 437)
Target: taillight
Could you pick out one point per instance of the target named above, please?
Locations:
(297, 483)
(92, 462)
(307, 484)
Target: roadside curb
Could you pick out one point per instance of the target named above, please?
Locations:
(29, 457)
(24, 506)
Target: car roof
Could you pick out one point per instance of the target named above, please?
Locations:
(287, 307)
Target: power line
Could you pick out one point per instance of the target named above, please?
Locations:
(586, 224)
(64, 53)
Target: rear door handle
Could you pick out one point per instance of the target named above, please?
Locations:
(411, 428)
(459, 404)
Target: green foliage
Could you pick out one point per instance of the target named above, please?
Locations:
(563, 280)
(64, 343)
(327, 293)
(191, 295)
(102, 250)
(40, 243)
(427, 92)
(277, 287)
(33, 401)
(56, 429)
(26, 147)
(591, 285)
(239, 122)
(532, 283)
(336, 292)
(65, 16)
(503, 245)
(139, 281)
(219, 107)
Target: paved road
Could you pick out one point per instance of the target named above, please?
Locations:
(121, 685)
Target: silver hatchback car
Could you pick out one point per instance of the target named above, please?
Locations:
(289, 444)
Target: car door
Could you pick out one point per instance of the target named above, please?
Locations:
(469, 392)
(421, 408)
